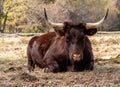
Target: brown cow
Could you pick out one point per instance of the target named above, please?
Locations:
(66, 49)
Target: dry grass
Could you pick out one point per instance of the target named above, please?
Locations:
(106, 45)
(13, 47)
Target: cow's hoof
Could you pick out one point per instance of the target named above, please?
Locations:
(47, 70)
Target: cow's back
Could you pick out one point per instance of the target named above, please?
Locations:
(44, 42)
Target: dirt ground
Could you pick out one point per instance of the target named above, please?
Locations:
(14, 73)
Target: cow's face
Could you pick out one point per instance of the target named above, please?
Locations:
(75, 35)
(75, 39)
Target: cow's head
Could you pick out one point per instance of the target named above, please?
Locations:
(75, 34)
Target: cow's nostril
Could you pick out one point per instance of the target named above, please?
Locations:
(76, 57)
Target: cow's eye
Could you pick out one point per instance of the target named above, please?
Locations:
(80, 39)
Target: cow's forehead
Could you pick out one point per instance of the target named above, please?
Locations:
(76, 31)
(74, 24)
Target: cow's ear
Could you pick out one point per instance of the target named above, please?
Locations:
(60, 32)
(91, 31)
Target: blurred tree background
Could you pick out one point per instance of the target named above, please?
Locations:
(27, 16)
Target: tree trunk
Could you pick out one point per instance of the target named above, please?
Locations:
(4, 23)
(1, 14)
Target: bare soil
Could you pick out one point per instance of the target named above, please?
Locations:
(14, 73)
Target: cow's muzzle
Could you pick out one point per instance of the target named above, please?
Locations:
(76, 57)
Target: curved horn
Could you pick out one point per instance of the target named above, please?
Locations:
(95, 25)
(57, 26)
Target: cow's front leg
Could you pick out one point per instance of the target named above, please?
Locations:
(51, 66)
(90, 65)
(31, 65)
